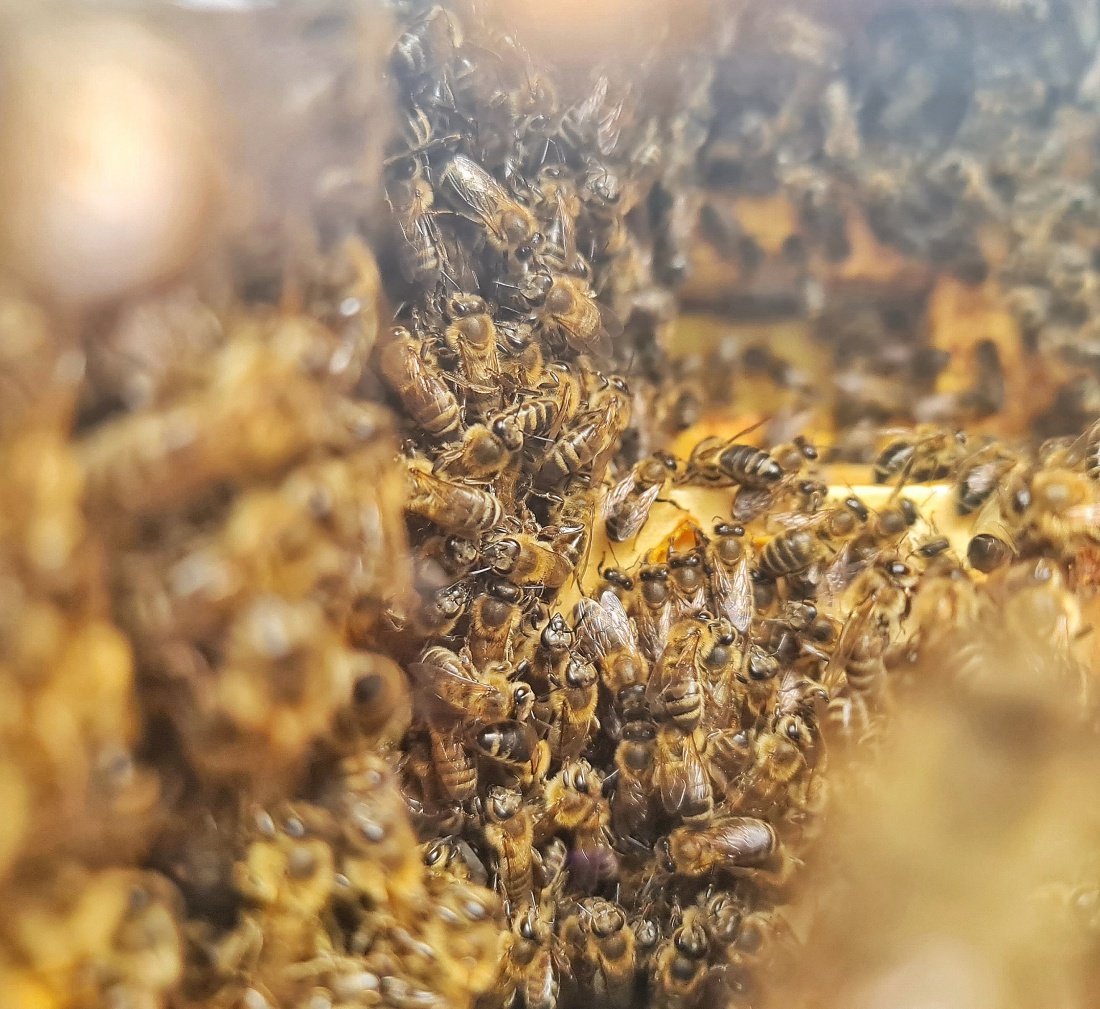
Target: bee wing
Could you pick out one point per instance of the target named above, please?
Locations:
(788, 521)
(474, 187)
(685, 782)
(616, 496)
(430, 681)
(602, 625)
(750, 503)
(733, 593)
(677, 660)
(857, 622)
(633, 513)
(840, 573)
(653, 631)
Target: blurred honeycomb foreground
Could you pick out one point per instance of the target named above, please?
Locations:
(528, 504)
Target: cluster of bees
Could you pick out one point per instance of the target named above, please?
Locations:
(389, 658)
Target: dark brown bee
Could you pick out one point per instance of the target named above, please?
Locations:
(987, 553)
(458, 508)
(509, 742)
(423, 391)
(474, 193)
(628, 503)
(523, 560)
(616, 580)
(789, 553)
(631, 809)
(719, 463)
(920, 456)
(985, 473)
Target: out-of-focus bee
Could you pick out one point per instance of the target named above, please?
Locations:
(674, 691)
(475, 194)
(715, 462)
(423, 391)
(601, 946)
(1065, 506)
(605, 634)
(919, 456)
(990, 471)
(495, 616)
(1092, 451)
(509, 832)
(485, 450)
(987, 552)
(523, 560)
(380, 709)
(627, 505)
(453, 858)
(534, 959)
(680, 777)
(573, 701)
(682, 964)
(455, 507)
(471, 336)
(794, 455)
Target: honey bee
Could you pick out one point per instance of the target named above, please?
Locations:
(411, 198)
(651, 607)
(632, 820)
(729, 753)
(616, 580)
(509, 832)
(988, 471)
(1092, 452)
(454, 765)
(1065, 506)
(511, 744)
(605, 635)
(681, 964)
(574, 805)
(738, 845)
(602, 945)
(475, 194)
(673, 690)
(570, 310)
(471, 336)
(573, 701)
(789, 553)
(794, 455)
(455, 507)
(782, 758)
(571, 453)
(495, 618)
(423, 392)
(450, 690)
(534, 961)
(718, 463)
(523, 560)
(680, 778)
(920, 456)
(440, 610)
(627, 505)
(485, 450)
(729, 565)
(688, 581)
